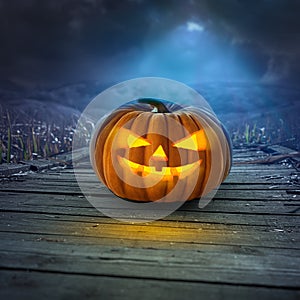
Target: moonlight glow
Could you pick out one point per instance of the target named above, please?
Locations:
(192, 26)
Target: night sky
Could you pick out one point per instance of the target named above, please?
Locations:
(51, 43)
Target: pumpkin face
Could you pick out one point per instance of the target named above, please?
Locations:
(155, 156)
(145, 155)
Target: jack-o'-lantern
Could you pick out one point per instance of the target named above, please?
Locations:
(147, 147)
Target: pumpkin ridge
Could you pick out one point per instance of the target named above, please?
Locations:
(176, 117)
(216, 138)
(138, 122)
(191, 126)
(157, 123)
(205, 163)
(168, 153)
(105, 129)
(108, 169)
(181, 123)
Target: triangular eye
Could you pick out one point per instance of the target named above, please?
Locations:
(196, 141)
(125, 138)
(136, 141)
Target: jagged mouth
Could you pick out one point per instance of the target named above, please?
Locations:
(169, 172)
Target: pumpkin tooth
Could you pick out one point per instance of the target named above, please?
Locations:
(166, 171)
(146, 171)
(167, 174)
(174, 171)
(140, 168)
(144, 174)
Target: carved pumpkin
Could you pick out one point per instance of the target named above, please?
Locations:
(145, 148)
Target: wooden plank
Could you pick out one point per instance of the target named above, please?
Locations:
(39, 165)
(70, 181)
(64, 243)
(236, 180)
(101, 191)
(76, 241)
(75, 205)
(22, 284)
(198, 267)
(271, 221)
(7, 170)
(57, 254)
(163, 231)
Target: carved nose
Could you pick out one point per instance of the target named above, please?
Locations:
(159, 154)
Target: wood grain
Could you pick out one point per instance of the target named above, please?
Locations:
(243, 244)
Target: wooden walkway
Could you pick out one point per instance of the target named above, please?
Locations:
(244, 245)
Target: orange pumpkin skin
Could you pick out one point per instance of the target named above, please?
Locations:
(137, 145)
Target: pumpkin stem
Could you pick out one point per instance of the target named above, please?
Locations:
(156, 103)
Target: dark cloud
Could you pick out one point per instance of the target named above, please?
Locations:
(55, 42)
(272, 25)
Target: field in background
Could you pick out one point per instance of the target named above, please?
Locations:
(254, 116)
(31, 129)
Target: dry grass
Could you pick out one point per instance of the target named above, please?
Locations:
(32, 139)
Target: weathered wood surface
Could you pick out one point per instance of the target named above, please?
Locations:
(244, 244)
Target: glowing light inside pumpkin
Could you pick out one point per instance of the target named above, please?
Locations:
(166, 173)
(197, 142)
(135, 141)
